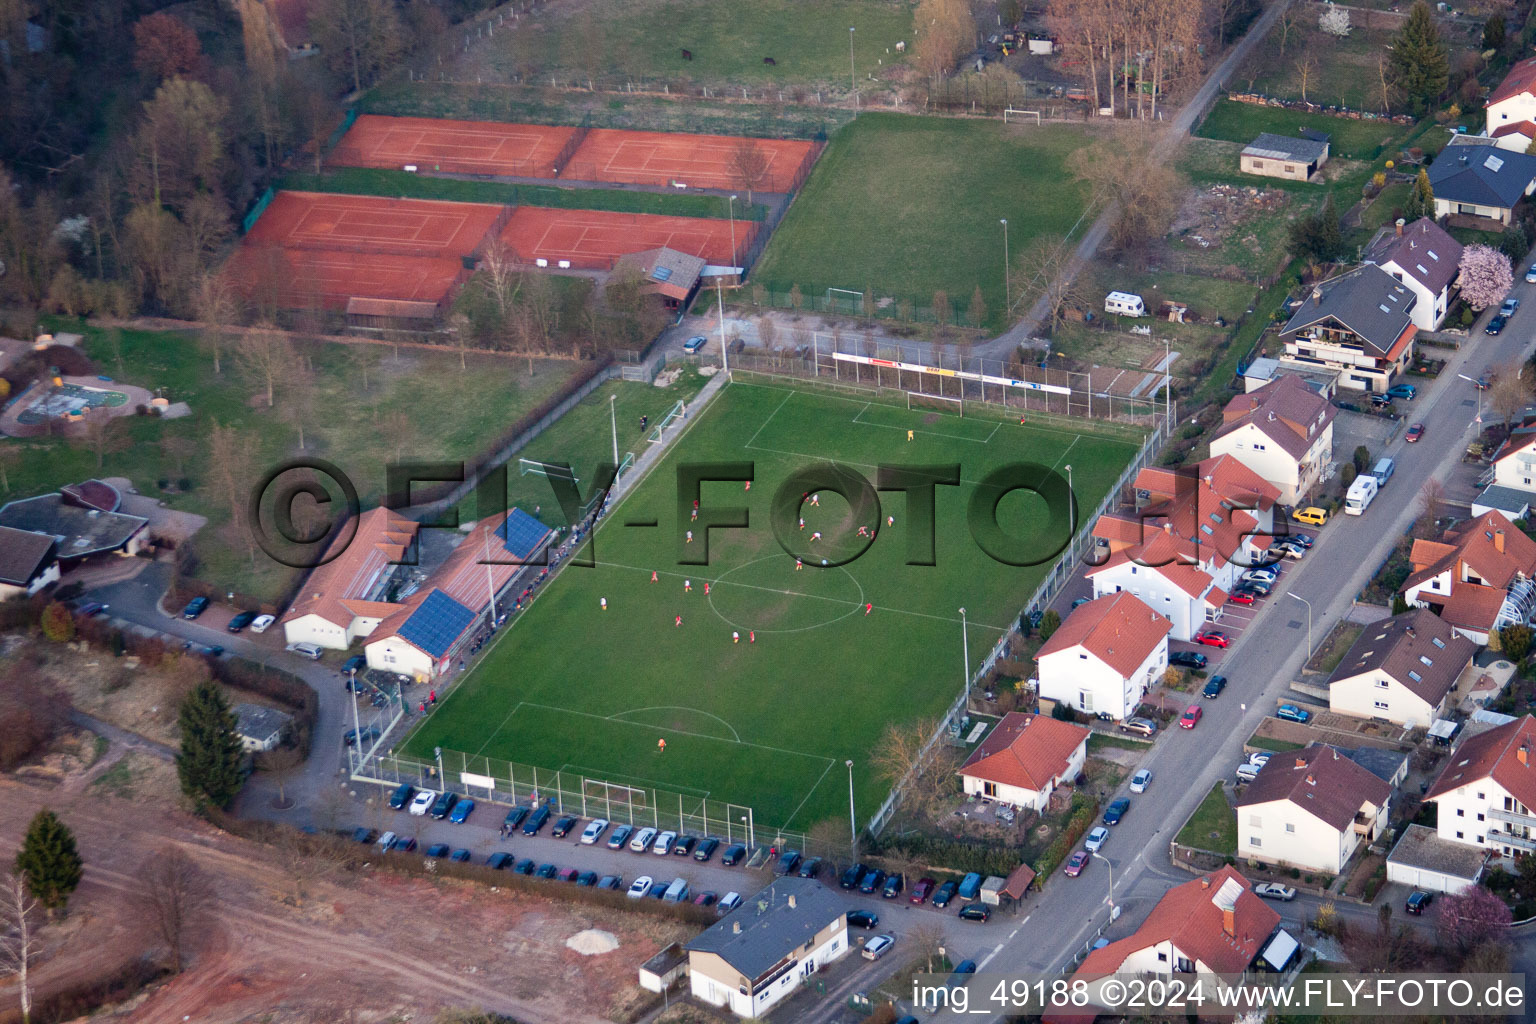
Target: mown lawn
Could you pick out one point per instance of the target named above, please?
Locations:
(1213, 826)
(827, 656)
(419, 406)
(1351, 139)
(907, 206)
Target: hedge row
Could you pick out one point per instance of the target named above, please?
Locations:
(1084, 811)
(951, 854)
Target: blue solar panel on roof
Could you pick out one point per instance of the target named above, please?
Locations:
(436, 623)
(521, 533)
(661, 273)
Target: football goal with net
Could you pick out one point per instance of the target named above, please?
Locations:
(937, 403)
(553, 470)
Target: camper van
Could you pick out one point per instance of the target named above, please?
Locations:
(1361, 493)
(1125, 304)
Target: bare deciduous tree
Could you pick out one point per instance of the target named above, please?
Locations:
(1431, 507)
(9, 456)
(1510, 391)
(215, 306)
(499, 276)
(232, 468)
(459, 329)
(172, 895)
(749, 166)
(1045, 269)
(281, 763)
(904, 754)
(767, 332)
(924, 940)
(265, 357)
(102, 433)
(18, 941)
(299, 396)
(1306, 66)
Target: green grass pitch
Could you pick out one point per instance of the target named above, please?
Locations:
(766, 724)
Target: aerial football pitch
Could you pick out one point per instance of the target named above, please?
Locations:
(779, 669)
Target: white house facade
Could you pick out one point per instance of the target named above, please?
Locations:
(1486, 793)
(1310, 809)
(1103, 658)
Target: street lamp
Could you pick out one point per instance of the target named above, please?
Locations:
(1071, 507)
(732, 211)
(852, 82)
(1309, 621)
(1006, 289)
(853, 828)
(725, 359)
(1110, 899)
(965, 643)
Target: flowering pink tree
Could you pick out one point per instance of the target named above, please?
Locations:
(1471, 917)
(1485, 277)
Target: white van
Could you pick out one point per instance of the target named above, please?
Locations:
(1125, 304)
(676, 892)
(1361, 493)
(1385, 467)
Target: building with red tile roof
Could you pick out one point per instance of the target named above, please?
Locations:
(349, 594)
(1106, 654)
(1511, 107)
(1213, 924)
(1311, 809)
(1193, 533)
(1282, 431)
(1486, 793)
(1479, 576)
(1024, 759)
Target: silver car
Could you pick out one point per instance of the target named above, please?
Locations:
(1141, 780)
(877, 947)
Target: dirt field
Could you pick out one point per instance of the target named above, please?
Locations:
(357, 948)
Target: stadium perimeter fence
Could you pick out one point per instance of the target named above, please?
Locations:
(1078, 548)
(564, 791)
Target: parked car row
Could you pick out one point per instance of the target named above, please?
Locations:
(870, 881)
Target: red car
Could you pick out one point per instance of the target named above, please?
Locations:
(1191, 716)
(1212, 638)
(1075, 864)
(1414, 433)
(922, 890)
(1240, 597)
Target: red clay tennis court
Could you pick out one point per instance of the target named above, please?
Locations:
(303, 278)
(593, 239)
(698, 161)
(369, 224)
(456, 147)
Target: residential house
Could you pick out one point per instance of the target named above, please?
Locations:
(1277, 156)
(1511, 108)
(1425, 258)
(1513, 505)
(422, 636)
(768, 947)
(1283, 432)
(1213, 924)
(1514, 464)
(1024, 758)
(260, 729)
(1311, 809)
(1267, 369)
(1192, 535)
(287, 23)
(1106, 654)
(1359, 325)
(84, 519)
(1486, 794)
(28, 562)
(1401, 670)
(1479, 576)
(1475, 178)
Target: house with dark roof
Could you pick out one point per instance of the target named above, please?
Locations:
(1193, 533)
(475, 583)
(1511, 110)
(1401, 670)
(1311, 809)
(1474, 178)
(1426, 259)
(1279, 156)
(1213, 924)
(673, 275)
(1422, 860)
(1024, 759)
(83, 519)
(1359, 325)
(768, 947)
(1105, 656)
(1282, 431)
(1485, 794)
(28, 562)
(1478, 576)
(260, 728)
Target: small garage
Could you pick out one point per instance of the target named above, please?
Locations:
(1422, 860)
